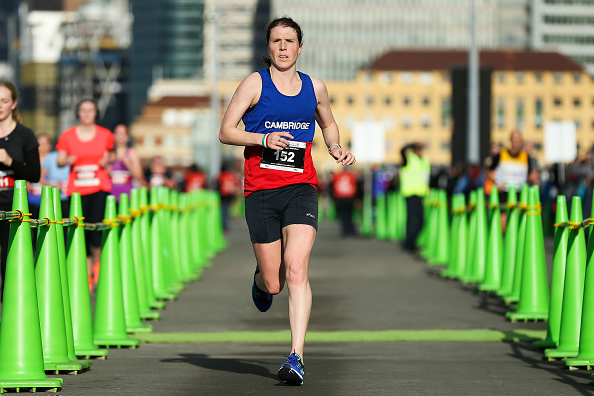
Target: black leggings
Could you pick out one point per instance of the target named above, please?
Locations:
(93, 209)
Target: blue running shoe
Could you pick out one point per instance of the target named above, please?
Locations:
(292, 371)
(262, 299)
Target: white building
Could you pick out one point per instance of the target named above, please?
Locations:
(341, 36)
(566, 26)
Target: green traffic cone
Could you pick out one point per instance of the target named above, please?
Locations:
(494, 259)
(169, 266)
(185, 250)
(80, 299)
(109, 329)
(145, 255)
(197, 257)
(129, 287)
(432, 229)
(424, 234)
(138, 259)
(221, 243)
(85, 364)
(381, 231)
(157, 249)
(49, 292)
(557, 278)
(205, 232)
(401, 217)
(442, 244)
(449, 271)
(478, 259)
(471, 232)
(459, 235)
(573, 290)
(175, 238)
(510, 243)
(514, 296)
(21, 351)
(534, 293)
(585, 357)
(367, 215)
(392, 216)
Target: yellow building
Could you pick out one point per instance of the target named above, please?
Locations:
(410, 93)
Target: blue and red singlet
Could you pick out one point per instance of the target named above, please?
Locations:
(266, 168)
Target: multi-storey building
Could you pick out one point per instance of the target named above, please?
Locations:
(565, 26)
(342, 36)
(409, 92)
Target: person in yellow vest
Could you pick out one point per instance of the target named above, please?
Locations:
(414, 185)
(513, 167)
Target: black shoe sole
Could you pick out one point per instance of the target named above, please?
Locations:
(289, 376)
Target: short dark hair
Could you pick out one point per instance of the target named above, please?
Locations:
(284, 21)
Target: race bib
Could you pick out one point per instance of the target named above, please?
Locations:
(6, 180)
(120, 177)
(291, 159)
(86, 176)
(36, 189)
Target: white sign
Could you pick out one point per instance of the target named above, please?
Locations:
(368, 142)
(560, 143)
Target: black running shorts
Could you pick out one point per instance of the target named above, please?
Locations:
(267, 212)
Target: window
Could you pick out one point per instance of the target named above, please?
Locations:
(501, 77)
(520, 113)
(426, 101)
(538, 78)
(577, 102)
(520, 78)
(445, 111)
(406, 121)
(426, 78)
(578, 124)
(426, 121)
(369, 100)
(577, 77)
(500, 112)
(557, 102)
(406, 101)
(538, 113)
(558, 77)
(385, 78)
(350, 100)
(406, 78)
(388, 101)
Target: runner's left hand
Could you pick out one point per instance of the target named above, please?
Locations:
(343, 156)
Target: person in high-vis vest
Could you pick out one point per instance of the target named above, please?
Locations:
(414, 185)
(512, 167)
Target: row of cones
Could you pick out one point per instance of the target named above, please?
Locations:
(514, 267)
(474, 250)
(47, 324)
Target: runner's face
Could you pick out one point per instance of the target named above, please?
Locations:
(87, 113)
(7, 105)
(284, 48)
(121, 134)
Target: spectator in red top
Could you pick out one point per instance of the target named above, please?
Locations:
(228, 185)
(86, 147)
(344, 192)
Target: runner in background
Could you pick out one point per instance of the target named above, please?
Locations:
(344, 193)
(194, 179)
(228, 187)
(158, 174)
(86, 148)
(19, 160)
(279, 107)
(125, 170)
(34, 189)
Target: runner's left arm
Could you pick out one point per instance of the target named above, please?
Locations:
(327, 123)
